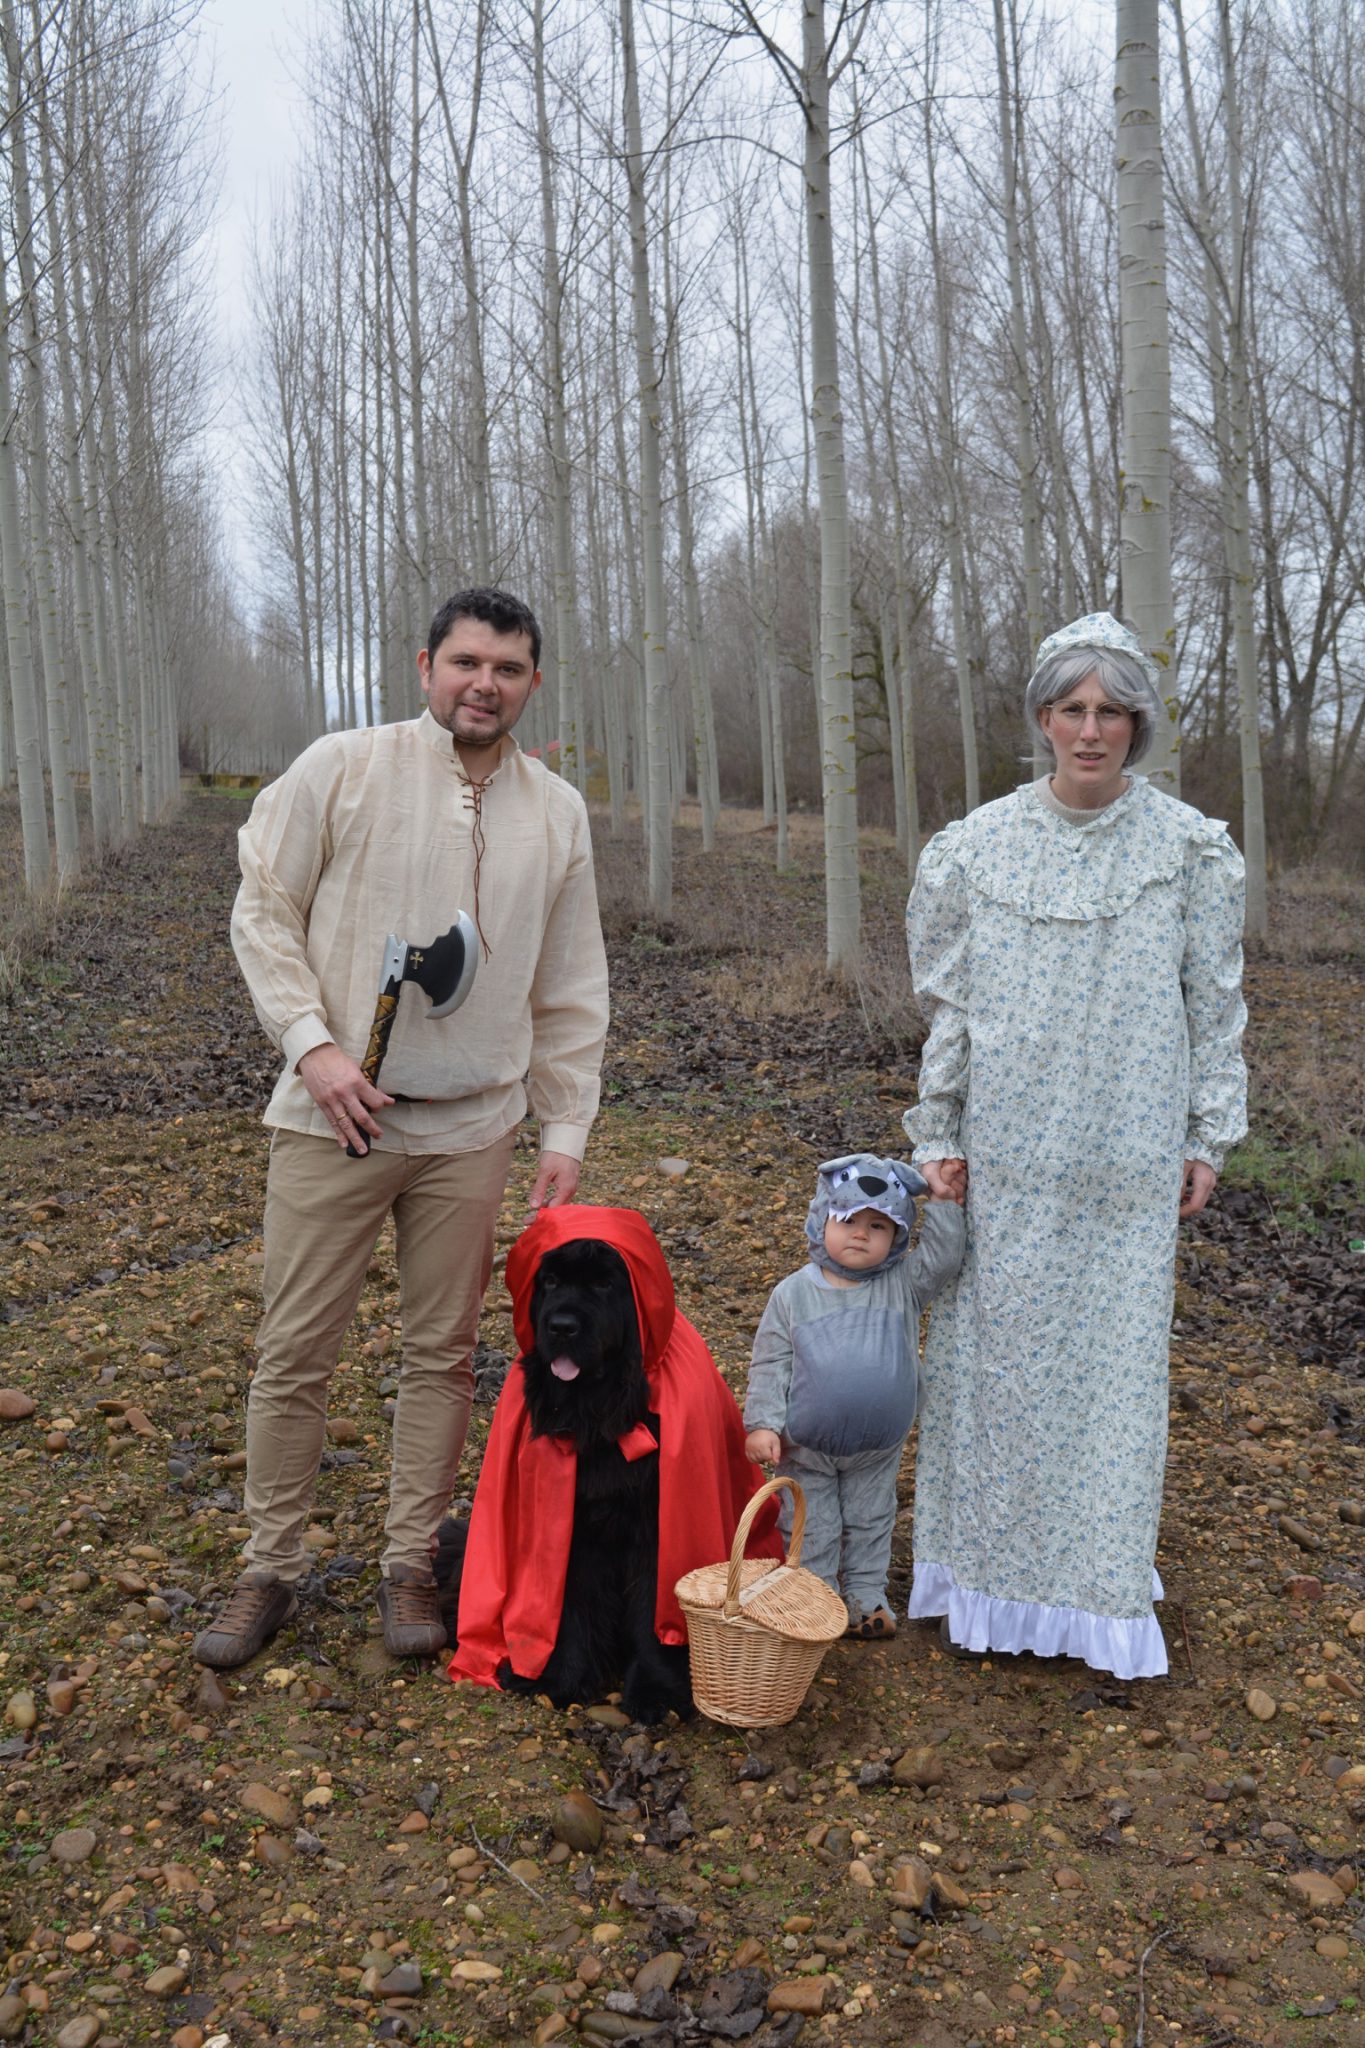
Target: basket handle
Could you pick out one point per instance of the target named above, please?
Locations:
(746, 1523)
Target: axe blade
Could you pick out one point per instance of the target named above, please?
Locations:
(445, 970)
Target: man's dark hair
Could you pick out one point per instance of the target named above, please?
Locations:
(495, 608)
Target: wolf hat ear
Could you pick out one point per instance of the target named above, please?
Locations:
(860, 1180)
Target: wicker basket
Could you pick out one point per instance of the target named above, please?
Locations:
(758, 1629)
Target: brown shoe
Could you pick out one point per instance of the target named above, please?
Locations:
(407, 1607)
(256, 1609)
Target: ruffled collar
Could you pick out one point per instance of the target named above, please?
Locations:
(1020, 854)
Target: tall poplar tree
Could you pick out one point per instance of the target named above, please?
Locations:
(1145, 483)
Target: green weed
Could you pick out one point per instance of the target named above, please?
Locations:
(1302, 1182)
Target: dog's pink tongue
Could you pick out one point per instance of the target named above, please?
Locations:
(563, 1368)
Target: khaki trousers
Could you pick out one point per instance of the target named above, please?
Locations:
(323, 1214)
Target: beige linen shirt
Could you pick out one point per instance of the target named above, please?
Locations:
(371, 832)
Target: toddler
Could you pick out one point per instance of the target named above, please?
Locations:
(834, 1380)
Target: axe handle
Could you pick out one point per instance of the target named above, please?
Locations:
(385, 1010)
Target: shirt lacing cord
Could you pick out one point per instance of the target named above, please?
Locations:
(473, 801)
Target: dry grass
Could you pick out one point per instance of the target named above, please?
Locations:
(788, 986)
(1317, 915)
(1307, 1107)
(35, 928)
(1306, 996)
(28, 928)
(759, 938)
(759, 934)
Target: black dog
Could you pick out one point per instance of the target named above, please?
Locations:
(584, 1379)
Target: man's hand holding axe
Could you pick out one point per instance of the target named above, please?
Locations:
(345, 1097)
(347, 1091)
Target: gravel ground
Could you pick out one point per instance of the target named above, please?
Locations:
(327, 1847)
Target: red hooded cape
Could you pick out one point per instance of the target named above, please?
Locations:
(522, 1524)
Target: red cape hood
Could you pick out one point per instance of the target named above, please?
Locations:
(519, 1534)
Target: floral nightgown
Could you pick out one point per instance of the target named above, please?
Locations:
(1082, 984)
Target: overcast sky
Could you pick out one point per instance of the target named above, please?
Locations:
(247, 47)
(243, 47)
(245, 44)
(249, 43)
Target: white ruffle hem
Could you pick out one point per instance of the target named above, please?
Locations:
(1129, 1648)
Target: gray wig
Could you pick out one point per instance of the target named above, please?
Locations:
(1121, 676)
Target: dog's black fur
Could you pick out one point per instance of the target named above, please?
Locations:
(582, 1308)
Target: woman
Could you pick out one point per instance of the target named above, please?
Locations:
(1076, 949)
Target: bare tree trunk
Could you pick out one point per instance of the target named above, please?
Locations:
(59, 742)
(23, 685)
(603, 664)
(657, 697)
(1237, 500)
(128, 709)
(476, 424)
(363, 528)
(810, 530)
(839, 740)
(316, 712)
(409, 628)
(699, 682)
(1044, 344)
(1026, 451)
(1145, 492)
(387, 706)
(875, 490)
(99, 400)
(632, 690)
(951, 493)
(895, 718)
(561, 474)
(146, 681)
(314, 413)
(69, 336)
(1223, 282)
(343, 632)
(751, 458)
(903, 754)
(120, 819)
(421, 510)
(8, 767)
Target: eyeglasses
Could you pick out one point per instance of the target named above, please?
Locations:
(1111, 715)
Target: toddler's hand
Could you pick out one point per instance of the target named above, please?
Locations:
(763, 1446)
(947, 1180)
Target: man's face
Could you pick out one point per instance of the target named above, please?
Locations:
(478, 682)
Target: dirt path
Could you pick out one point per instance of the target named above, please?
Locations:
(332, 1849)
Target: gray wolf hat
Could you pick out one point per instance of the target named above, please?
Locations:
(862, 1181)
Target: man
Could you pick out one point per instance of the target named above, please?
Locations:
(396, 828)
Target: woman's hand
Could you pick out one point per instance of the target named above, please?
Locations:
(947, 1179)
(1199, 1183)
(762, 1447)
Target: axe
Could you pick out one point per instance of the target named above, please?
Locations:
(444, 971)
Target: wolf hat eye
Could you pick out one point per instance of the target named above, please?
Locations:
(851, 1189)
(870, 1185)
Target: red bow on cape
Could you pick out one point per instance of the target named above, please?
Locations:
(522, 1524)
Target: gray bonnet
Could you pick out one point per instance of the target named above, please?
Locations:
(862, 1181)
